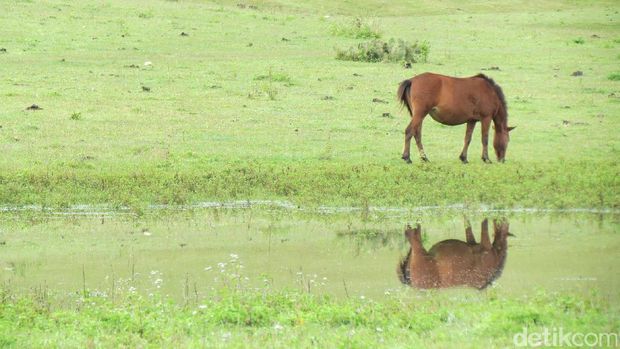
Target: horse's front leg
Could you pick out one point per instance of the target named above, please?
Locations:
(468, 132)
(486, 123)
(484, 235)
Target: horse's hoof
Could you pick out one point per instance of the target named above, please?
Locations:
(424, 158)
(407, 159)
(487, 161)
(463, 159)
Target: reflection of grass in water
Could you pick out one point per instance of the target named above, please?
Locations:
(264, 317)
(372, 239)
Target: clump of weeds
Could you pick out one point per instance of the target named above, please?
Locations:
(394, 50)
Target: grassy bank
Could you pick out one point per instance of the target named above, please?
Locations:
(292, 319)
(148, 102)
(554, 184)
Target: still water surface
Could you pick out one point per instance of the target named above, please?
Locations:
(339, 253)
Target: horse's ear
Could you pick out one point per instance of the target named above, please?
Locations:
(511, 128)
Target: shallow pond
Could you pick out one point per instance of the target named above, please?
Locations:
(350, 253)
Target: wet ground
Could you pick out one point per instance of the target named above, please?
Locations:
(338, 252)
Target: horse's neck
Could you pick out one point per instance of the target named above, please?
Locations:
(500, 120)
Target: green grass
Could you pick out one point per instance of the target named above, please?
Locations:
(215, 126)
(174, 102)
(357, 184)
(294, 319)
(357, 28)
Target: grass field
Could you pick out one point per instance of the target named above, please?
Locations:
(251, 103)
(150, 102)
(259, 318)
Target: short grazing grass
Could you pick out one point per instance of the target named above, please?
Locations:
(293, 319)
(149, 102)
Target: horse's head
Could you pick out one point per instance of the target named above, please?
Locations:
(500, 142)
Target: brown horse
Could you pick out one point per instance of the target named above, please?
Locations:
(454, 262)
(456, 101)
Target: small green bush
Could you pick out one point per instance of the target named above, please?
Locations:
(613, 77)
(357, 28)
(381, 51)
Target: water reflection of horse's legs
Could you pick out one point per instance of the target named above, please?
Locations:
(500, 240)
(425, 266)
(415, 240)
(469, 235)
(484, 235)
(414, 235)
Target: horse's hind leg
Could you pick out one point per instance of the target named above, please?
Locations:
(414, 129)
(486, 123)
(408, 134)
(414, 235)
(417, 134)
(468, 132)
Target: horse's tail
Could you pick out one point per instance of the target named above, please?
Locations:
(404, 274)
(403, 94)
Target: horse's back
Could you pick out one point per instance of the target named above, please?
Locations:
(453, 100)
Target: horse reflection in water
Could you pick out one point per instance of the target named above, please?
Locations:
(454, 262)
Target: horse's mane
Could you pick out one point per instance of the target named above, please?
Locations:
(498, 92)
